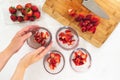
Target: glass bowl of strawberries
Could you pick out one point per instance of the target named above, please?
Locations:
(41, 37)
(67, 38)
(80, 60)
(54, 62)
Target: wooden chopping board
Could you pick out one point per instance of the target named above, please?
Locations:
(58, 9)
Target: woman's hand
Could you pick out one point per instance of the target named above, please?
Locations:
(34, 56)
(27, 60)
(20, 37)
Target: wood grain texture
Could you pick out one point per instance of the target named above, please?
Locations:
(58, 10)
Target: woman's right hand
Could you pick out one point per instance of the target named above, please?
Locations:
(34, 56)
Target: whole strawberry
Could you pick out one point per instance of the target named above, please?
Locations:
(31, 18)
(37, 14)
(29, 12)
(28, 5)
(13, 17)
(20, 19)
(34, 8)
(19, 7)
(12, 10)
(23, 11)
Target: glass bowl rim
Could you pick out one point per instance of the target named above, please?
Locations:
(67, 27)
(83, 49)
(45, 30)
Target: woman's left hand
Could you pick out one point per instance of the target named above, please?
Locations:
(20, 37)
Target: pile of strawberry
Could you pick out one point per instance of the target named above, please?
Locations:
(28, 13)
(79, 58)
(41, 37)
(86, 23)
(53, 60)
(67, 37)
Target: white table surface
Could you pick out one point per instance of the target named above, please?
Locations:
(105, 60)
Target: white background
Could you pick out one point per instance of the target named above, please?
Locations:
(105, 60)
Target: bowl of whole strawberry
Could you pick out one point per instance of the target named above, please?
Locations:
(67, 38)
(54, 62)
(80, 60)
(41, 37)
(21, 13)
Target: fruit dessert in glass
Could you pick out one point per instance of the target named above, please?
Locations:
(54, 62)
(67, 38)
(41, 37)
(80, 60)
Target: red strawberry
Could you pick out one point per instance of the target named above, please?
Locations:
(28, 5)
(52, 55)
(88, 17)
(29, 12)
(26, 18)
(34, 8)
(12, 10)
(49, 59)
(84, 29)
(20, 19)
(31, 18)
(57, 58)
(23, 11)
(43, 42)
(36, 14)
(47, 35)
(93, 29)
(72, 12)
(94, 20)
(84, 56)
(79, 18)
(13, 17)
(51, 67)
(19, 7)
(79, 53)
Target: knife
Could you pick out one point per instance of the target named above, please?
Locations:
(95, 8)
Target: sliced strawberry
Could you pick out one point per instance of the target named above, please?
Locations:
(79, 52)
(57, 58)
(51, 66)
(84, 29)
(92, 29)
(49, 59)
(94, 20)
(79, 58)
(84, 56)
(52, 55)
(47, 35)
(76, 61)
(79, 18)
(89, 17)
(53, 62)
(71, 12)
(43, 43)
